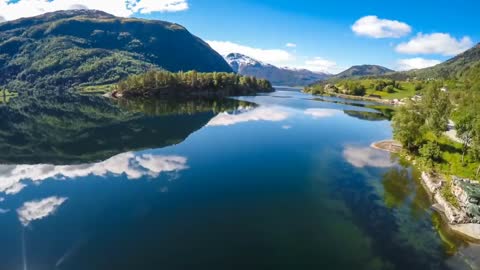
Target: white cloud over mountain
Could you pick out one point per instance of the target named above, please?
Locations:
(10, 10)
(436, 43)
(319, 64)
(372, 26)
(271, 56)
(416, 63)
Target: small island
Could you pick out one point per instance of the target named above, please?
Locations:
(159, 83)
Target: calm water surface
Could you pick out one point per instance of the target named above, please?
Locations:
(275, 181)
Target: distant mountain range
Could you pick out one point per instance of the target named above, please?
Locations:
(86, 47)
(246, 65)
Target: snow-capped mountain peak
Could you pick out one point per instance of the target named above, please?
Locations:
(239, 61)
(249, 66)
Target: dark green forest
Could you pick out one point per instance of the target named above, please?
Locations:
(164, 83)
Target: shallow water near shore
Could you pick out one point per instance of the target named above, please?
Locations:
(279, 180)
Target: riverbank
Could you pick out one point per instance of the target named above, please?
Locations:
(391, 146)
(457, 217)
(394, 102)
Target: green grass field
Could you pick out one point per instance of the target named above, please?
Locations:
(404, 89)
(407, 90)
(451, 163)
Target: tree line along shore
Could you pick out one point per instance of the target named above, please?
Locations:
(158, 83)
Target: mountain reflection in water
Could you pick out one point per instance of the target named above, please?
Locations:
(74, 129)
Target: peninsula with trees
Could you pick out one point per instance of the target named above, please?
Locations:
(188, 84)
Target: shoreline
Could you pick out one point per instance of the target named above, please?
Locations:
(363, 98)
(453, 217)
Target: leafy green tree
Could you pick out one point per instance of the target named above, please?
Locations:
(407, 126)
(159, 82)
(466, 131)
(436, 108)
(430, 153)
(418, 86)
(390, 89)
(475, 146)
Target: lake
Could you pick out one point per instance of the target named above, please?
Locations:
(275, 181)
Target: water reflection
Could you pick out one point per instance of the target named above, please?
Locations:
(133, 166)
(36, 210)
(320, 113)
(72, 129)
(364, 115)
(397, 187)
(322, 194)
(249, 114)
(381, 110)
(366, 157)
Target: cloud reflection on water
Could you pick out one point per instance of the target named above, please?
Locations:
(271, 114)
(320, 113)
(361, 157)
(36, 210)
(134, 166)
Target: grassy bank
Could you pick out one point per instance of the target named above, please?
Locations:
(368, 88)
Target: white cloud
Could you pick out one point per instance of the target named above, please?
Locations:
(132, 165)
(15, 188)
(286, 127)
(271, 56)
(372, 26)
(361, 157)
(4, 211)
(319, 64)
(436, 43)
(416, 63)
(10, 10)
(272, 114)
(291, 45)
(149, 6)
(320, 113)
(36, 210)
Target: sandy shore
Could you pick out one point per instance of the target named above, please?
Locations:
(387, 145)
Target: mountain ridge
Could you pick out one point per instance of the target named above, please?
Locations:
(454, 67)
(74, 48)
(363, 70)
(249, 66)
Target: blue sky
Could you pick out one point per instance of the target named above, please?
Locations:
(399, 35)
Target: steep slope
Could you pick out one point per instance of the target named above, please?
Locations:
(363, 70)
(245, 65)
(86, 47)
(455, 67)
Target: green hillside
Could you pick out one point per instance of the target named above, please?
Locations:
(363, 70)
(83, 47)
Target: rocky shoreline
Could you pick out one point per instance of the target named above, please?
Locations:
(462, 219)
